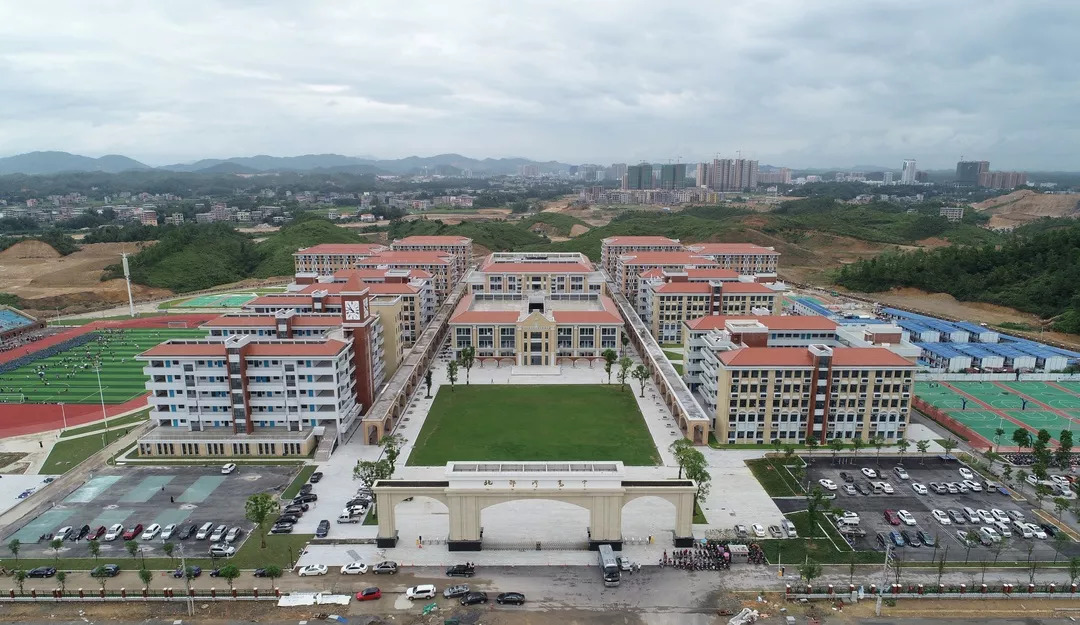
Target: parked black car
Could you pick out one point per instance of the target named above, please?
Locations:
(323, 529)
(282, 528)
(461, 570)
(474, 598)
(188, 531)
(83, 533)
(294, 511)
(305, 489)
(260, 572)
(1049, 529)
(195, 572)
(510, 598)
(287, 518)
(316, 477)
(42, 571)
(358, 501)
(305, 498)
(105, 570)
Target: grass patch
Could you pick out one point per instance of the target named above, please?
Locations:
(795, 551)
(671, 345)
(699, 516)
(68, 453)
(773, 478)
(543, 422)
(372, 518)
(300, 479)
(673, 355)
(130, 419)
(678, 368)
(279, 549)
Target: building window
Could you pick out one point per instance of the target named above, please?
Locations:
(464, 337)
(607, 337)
(565, 338)
(585, 338)
(485, 337)
(507, 338)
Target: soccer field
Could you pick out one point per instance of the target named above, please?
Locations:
(544, 422)
(69, 376)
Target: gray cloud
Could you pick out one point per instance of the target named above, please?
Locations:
(829, 82)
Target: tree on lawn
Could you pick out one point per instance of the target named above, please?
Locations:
(1021, 479)
(902, 444)
(878, 443)
(625, 341)
(923, 447)
(1064, 450)
(20, 579)
(949, 444)
(14, 546)
(95, 549)
(812, 444)
(56, 544)
(857, 444)
(641, 374)
(692, 462)
(625, 365)
(169, 548)
(146, 577)
(610, 358)
(815, 501)
(132, 548)
(391, 445)
(229, 573)
(1041, 492)
(998, 433)
(452, 373)
(1022, 438)
(259, 509)
(468, 359)
(1061, 541)
(1006, 472)
(809, 570)
(427, 380)
(61, 578)
(836, 445)
(1074, 568)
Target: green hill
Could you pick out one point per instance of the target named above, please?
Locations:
(277, 250)
(561, 224)
(497, 236)
(1035, 273)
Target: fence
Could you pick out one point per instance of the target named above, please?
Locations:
(999, 377)
(160, 595)
(935, 591)
(51, 350)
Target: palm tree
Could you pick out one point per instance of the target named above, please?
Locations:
(923, 447)
(902, 444)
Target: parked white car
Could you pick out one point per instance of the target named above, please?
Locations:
(990, 533)
(941, 517)
(354, 568)
(150, 532)
(169, 530)
(901, 473)
(423, 591)
(1002, 528)
(918, 488)
(114, 532)
(827, 484)
(966, 473)
(229, 468)
(1000, 515)
(1022, 529)
(973, 486)
(868, 472)
(1037, 531)
(758, 529)
(985, 516)
(312, 569)
(905, 517)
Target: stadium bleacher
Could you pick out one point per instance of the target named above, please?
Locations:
(10, 320)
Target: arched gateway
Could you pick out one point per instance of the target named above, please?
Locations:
(599, 487)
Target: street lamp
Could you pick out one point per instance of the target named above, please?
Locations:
(101, 394)
(187, 585)
(64, 414)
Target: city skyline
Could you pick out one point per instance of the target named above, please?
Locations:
(555, 81)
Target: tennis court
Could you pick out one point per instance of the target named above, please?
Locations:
(69, 376)
(220, 300)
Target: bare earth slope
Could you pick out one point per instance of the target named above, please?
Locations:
(1020, 207)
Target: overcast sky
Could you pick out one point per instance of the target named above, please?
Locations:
(801, 83)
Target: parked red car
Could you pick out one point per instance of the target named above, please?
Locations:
(369, 594)
(134, 532)
(98, 533)
(891, 517)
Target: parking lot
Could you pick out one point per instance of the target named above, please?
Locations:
(870, 509)
(146, 495)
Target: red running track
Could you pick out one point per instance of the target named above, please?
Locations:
(20, 419)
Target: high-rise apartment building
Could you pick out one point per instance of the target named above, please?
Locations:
(613, 247)
(733, 174)
(639, 177)
(615, 172)
(673, 176)
(781, 175)
(702, 177)
(907, 176)
(1002, 179)
(967, 172)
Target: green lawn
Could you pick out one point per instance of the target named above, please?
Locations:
(673, 355)
(97, 426)
(678, 368)
(69, 452)
(298, 481)
(70, 377)
(773, 478)
(545, 422)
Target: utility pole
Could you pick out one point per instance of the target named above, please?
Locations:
(127, 279)
(884, 578)
(101, 394)
(187, 585)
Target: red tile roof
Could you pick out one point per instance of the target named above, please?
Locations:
(642, 240)
(870, 357)
(280, 300)
(586, 316)
(731, 248)
(746, 287)
(434, 240)
(240, 322)
(773, 322)
(384, 288)
(341, 248)
(329, 347)
(653, 273)
(379, 273)
(711, 272)
(400, 257)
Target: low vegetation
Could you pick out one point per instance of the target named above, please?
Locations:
(498, 236)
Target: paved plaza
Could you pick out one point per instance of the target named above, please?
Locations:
(512, 529)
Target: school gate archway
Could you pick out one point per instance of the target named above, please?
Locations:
(599, 487)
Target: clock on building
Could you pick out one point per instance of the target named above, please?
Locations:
(352, 310)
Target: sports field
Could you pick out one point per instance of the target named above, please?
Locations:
(69, 377)
(220, 300)
(543, 422)
(982, 407)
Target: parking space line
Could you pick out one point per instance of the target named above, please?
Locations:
(146, 489)
(201, 489)
(92, 489)
(111, 517)
(47, 523)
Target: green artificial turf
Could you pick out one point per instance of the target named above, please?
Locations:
(545, 422)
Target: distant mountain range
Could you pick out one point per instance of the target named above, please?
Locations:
(38, 163)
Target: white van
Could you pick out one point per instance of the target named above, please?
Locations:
(789, 528)
(847, 524)
(204, 531)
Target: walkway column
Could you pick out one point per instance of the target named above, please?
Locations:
(605, 521)
(464, 523)
(684, 520)
(388, 533)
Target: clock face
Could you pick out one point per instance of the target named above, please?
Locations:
(352, 310)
